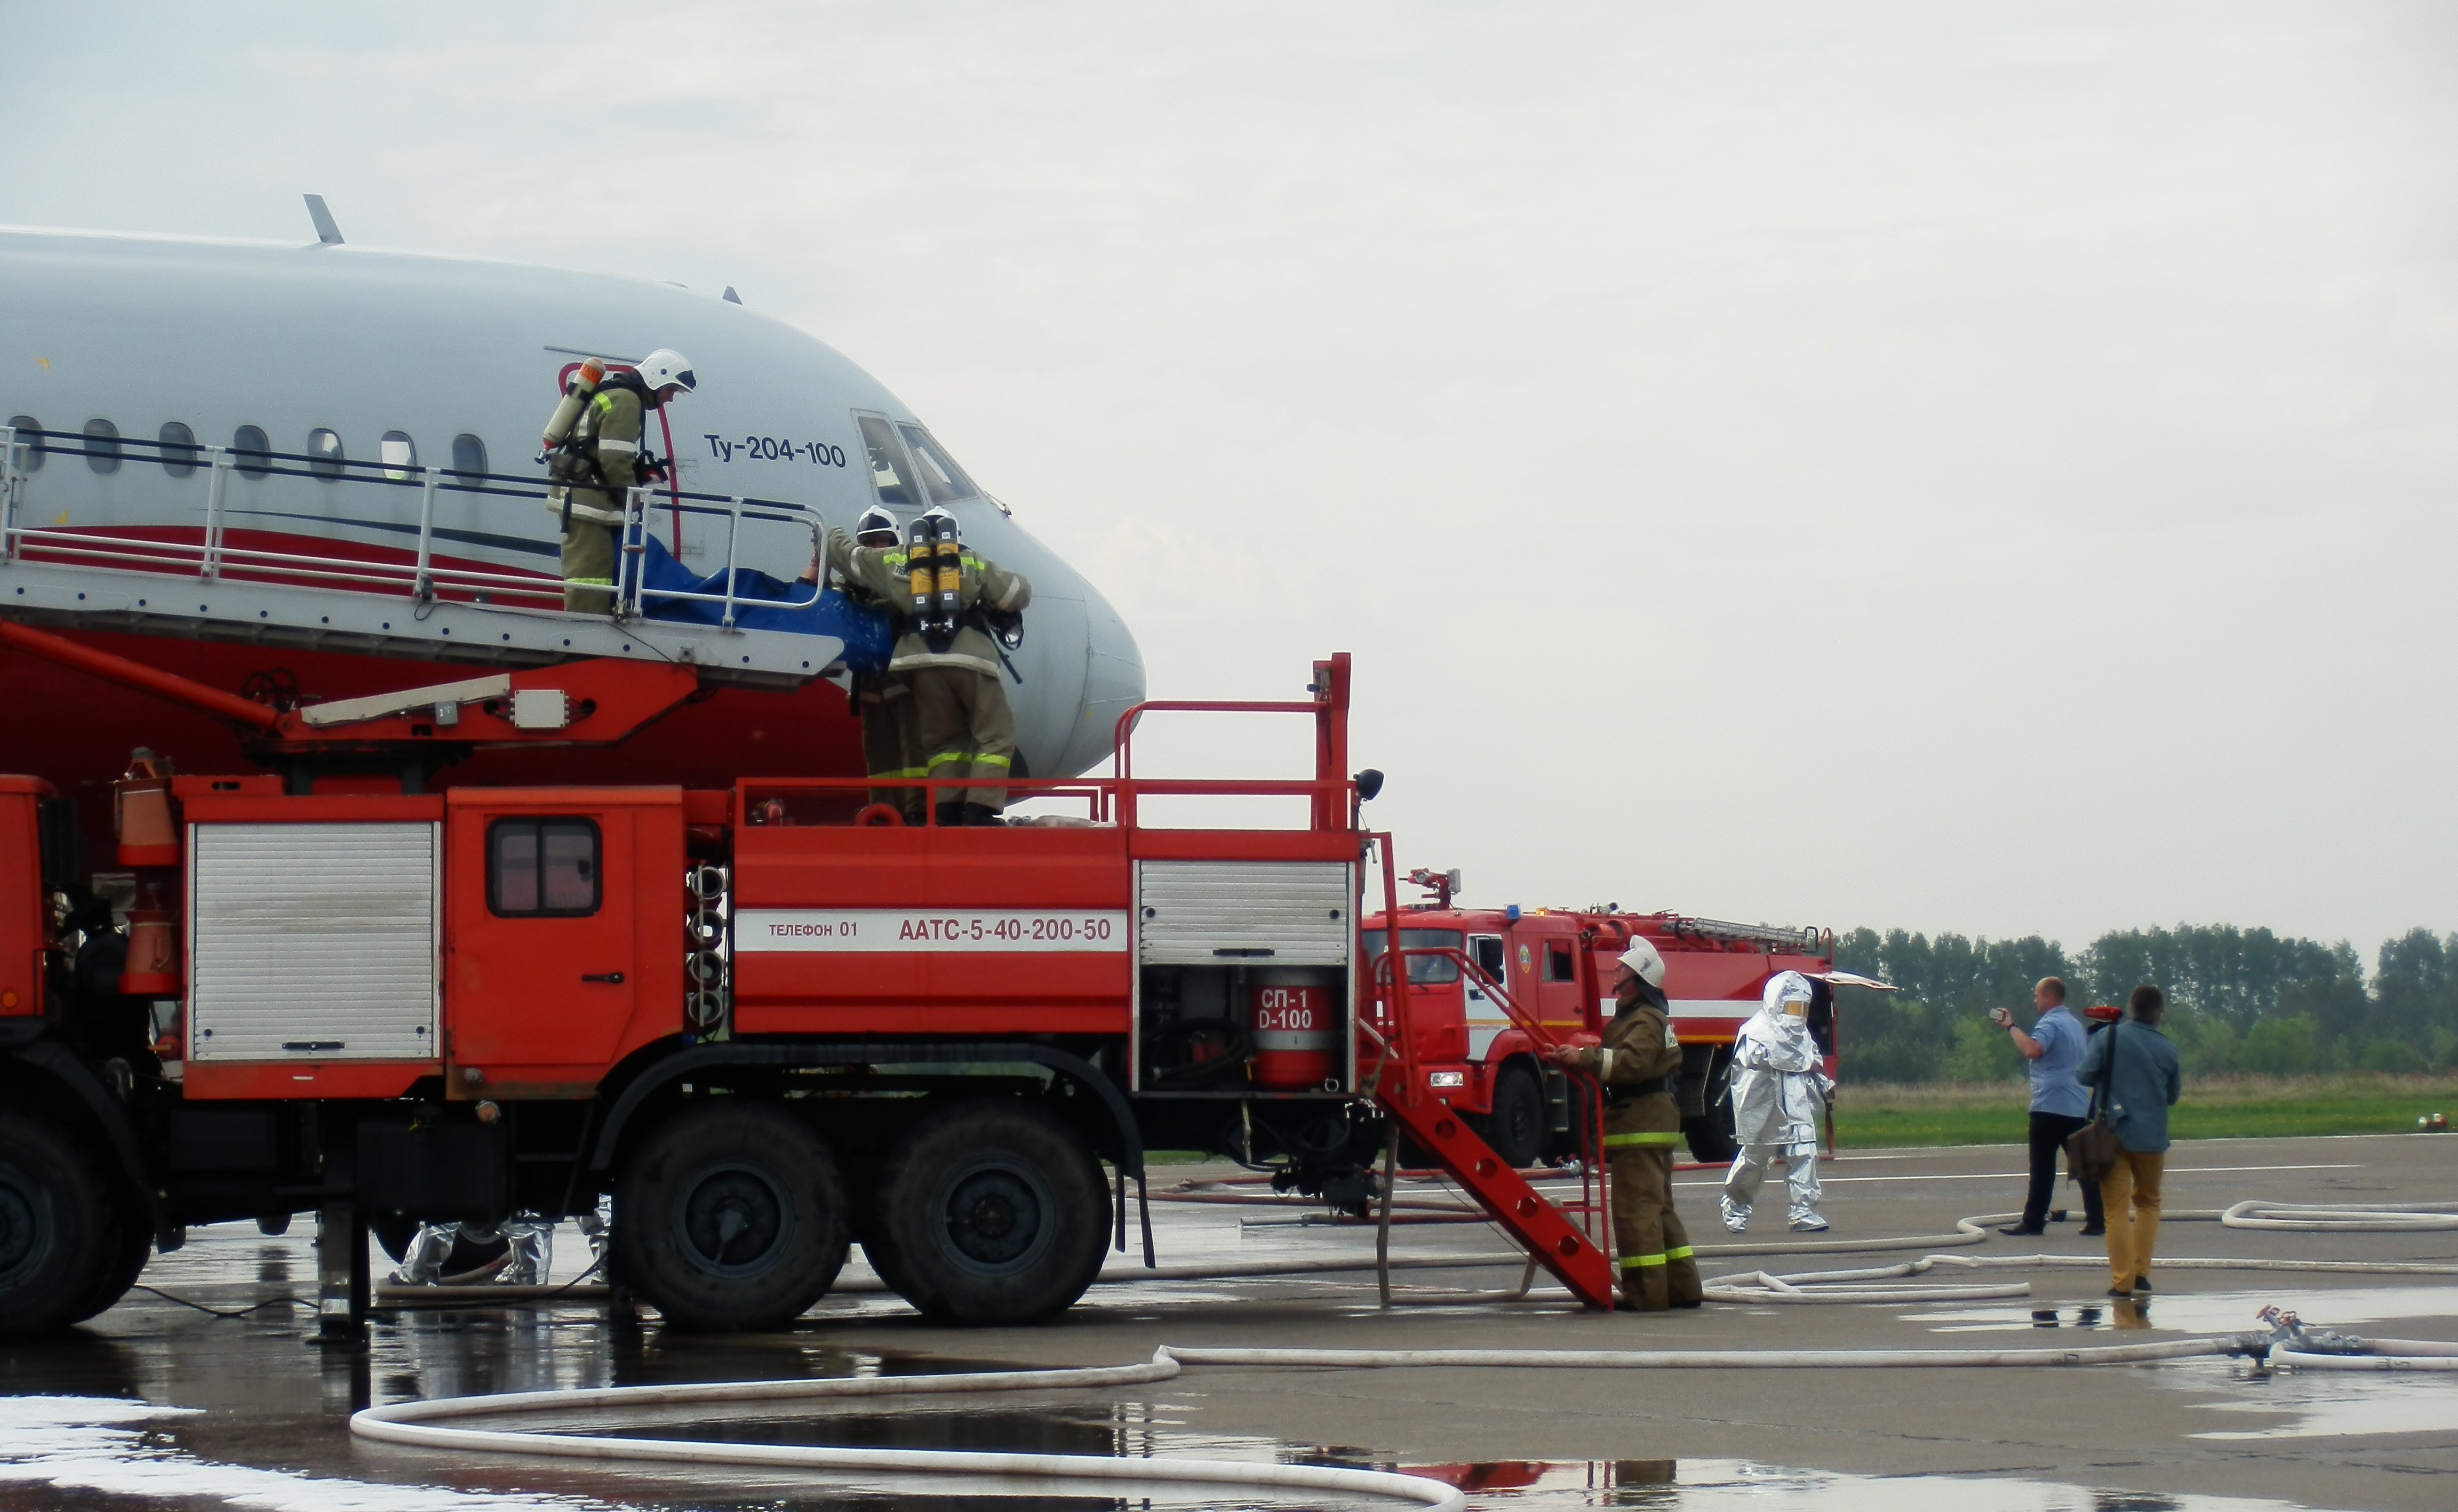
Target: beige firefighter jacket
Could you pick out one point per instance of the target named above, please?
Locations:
(880, 571)
(609, 428)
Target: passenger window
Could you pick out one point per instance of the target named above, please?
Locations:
(542, 868)
(324, 452)
(255, 451)
(398, 453)
(888, 477)
(940, 474)
(33, 444)
(102, 445)
(468, 456)
(1557, 964)
(178, 448)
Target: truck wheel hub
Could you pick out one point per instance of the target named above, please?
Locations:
(732, 1221)
(996, 1217)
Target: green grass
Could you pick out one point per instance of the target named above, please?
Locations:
(1870, 1115)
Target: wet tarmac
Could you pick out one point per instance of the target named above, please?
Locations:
(157, 1406)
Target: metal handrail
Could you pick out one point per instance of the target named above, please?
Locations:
(1587, 1111)
(422, 578)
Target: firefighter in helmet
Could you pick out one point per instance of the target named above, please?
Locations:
(594, 454)
(891, 736)
(1636, 1066)
(945, 654)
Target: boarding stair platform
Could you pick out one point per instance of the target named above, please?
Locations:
(190, 573)
(1567, 1238)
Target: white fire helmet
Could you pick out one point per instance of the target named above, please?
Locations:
(1644, 963)
(874, 521)
(667, 368)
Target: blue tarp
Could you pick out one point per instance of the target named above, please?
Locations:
(763, 603)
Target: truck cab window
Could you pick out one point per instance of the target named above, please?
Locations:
(542, 868)
(1488, 953)
(1557, 962)
(891, 476)
(1423, 970)
(940, 474)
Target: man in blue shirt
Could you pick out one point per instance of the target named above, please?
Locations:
(2143, 1083)
(2058, 1102)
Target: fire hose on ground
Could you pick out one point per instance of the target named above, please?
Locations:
(2289, 1344)
(422, 1424)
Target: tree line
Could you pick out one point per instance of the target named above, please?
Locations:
(2239, 999)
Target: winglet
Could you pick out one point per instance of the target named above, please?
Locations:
(732, 298)
(327, 233)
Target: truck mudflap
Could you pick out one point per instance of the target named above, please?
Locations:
(700, 1059)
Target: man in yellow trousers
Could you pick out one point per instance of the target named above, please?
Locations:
(2133, 1068)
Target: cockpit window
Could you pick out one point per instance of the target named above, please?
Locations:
(940, 474)
(889, 474)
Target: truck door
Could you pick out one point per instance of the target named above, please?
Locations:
(544, 975)
(1486, 1019)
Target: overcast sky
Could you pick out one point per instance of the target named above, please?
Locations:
(1964, 467)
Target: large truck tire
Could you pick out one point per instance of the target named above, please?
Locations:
(59, 1230)
(1710, 1137)
(1515, 1129)
(989, 1211)
(131, 1246)
(731, 1216)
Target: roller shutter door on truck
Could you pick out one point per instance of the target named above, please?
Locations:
(1205, 913)
(313, 941)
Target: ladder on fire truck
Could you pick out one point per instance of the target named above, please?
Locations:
(1562, 1237)
(214, 577)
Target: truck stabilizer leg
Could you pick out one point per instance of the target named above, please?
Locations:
(341, 1280)
(1544, 1231)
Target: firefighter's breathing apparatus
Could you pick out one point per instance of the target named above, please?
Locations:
(934, 568)
(569, 454)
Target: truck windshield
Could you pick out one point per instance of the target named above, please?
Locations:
(1423, 970)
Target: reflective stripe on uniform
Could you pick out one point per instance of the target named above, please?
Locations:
(1621, 1141)
(1604, 1065)
(983, 759)
(1633, 1261)
(1682, 1252)
(627, 448)
(591, 582)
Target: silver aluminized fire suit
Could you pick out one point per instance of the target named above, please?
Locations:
(1779, 1088)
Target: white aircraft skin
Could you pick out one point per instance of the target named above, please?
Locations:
(217, 335)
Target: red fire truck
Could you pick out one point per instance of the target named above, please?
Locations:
(1557, 963)
(771, 1020)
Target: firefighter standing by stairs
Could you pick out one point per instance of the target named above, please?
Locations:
(1638, 1065)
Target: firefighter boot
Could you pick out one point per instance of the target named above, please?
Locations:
(950, 815)
(979, 814)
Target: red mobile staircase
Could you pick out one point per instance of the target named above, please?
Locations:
(1547, 1229)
